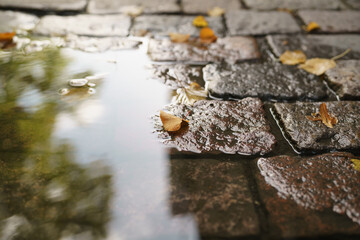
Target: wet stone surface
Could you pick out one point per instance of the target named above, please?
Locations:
(353, 3)
(231, 49)
(162, 25)
(321, 182)
(311, 135)
(345, 78)
(176, 76)
(59, 5)
(217, 193)
(154, 6)
(246, 22)
(332, 21)
(10, 21)
(90, 25)
(292, 4)
(203, 6)
(263, 80)
(321, 46)
(221, 126)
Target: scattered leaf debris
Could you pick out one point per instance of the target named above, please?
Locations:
(216, 12)
(207, 35)
(170, 122)
(6, 39)
(179, 38)
(292, 57)
(200, 21)
(311, 26)
(356, 164)
(189, 95)
(324, 116)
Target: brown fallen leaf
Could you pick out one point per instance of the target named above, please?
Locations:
(170, 122)
(200, 21)
(190, 94)
(356, 164)
(311, 26)
(216, 12)
(6, 40)
(323, 116)
(179, 38)
(318, 66)
(292, 57)
(207, 35)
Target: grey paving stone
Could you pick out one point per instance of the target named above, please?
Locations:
(231, 49)
(203, 6)
(263, 80)
(91, 25)
(178, 75)
(246, 22)
(118, 6)
(345, 79)
(162, 25)
(217, 193)
(58, 5)
(333, 21)
(220, 126)
(311, 135)
(323, 182)
(11, 21)
(293, 4)
(353, 3)
(322, 46)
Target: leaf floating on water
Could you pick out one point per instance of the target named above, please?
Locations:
(200, 21)
(356, 164)
(311, 26)
(190, 95)
(179, 38)
(324, 116)
(207, 35)
(170, 122)
(318, 66)
(216, 12)
(292, 57)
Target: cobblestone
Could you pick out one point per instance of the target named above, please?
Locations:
(353, 3)
(332, 21)
(321, 46)
(345, 79)
(263, 80)
(203, 6)
(293, 4)
(10, 21)
(45, 5)
(231, 49)
(310, 135)
(245, 22)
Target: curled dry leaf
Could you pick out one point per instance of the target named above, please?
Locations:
(170, 122)
(179, 38)
(318, 66)
(207, 35)
(324, 116)
(293, 57)
(190, 95)
(216, 12)
(200, 21)
(356, 164)
(311, 26)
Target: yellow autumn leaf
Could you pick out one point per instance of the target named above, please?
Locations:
(207, 35)
(200, 21)
(318, 66)
(216, 12)
(190, 94)
(324, 117)
(311, 26)
(292, 57)
(179, 38)
(170, 122)
(356, 164)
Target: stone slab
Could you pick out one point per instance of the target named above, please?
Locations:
(293, 4)
(353, 3)
(12, 21)
(333, 21)
(203, 6)
(312, 190)
(314, 136)
(264, 80)
(345, 79)
(247, 22)
(122, 6)
(217, 193)
(321, 46)
(163, 25)
(90, 25)
(178, 75)
(231, 49)
(46, 5)
(220, 126)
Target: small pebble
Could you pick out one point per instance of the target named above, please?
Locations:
(78, 82)
(64, 91)
(91, 91)
(91, 84)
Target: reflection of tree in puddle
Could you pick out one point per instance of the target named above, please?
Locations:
(44, 194)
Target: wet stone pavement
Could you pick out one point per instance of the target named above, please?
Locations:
(94, 162)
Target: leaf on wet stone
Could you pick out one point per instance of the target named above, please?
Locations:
(6, 39)
(324, 116)
(356, 164)
(216, 12)
(311, 26)
(189, 95)
(179, 38)
(318, 66)
(292, 57)
(207, 35)
(170, 122)
(200, 21)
